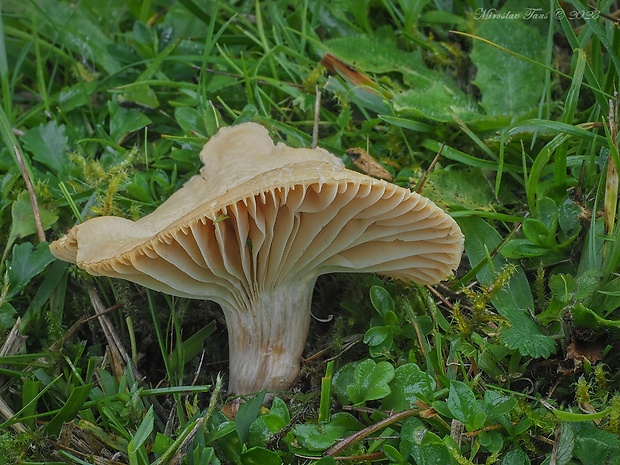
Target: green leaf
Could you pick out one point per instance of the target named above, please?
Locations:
(516, 457)
(139, 438)
(466, 187)
(497, 404)
(381, 300)
(223, 433)
(562, 287)
(124, 121)
(192, 346)
(7, 316)
(376, 335)
(71, 28)
(522, 248)
(586, 318)
(426, 447)
(410, 384)
(565, 443)
(140, 94)
(525, 336)
(438, 102)
(72, 406)
(26, 263)
(392, 454)
(270, 423)
(326, 461)
(515, 298)
(596, 446)
(190, 120)
(23, 224)
(248, 412)
(260, 456)
(464, 407)
(509, 85)
(371, 381)
(492, 441)
(587, 284)
(536, 232)
(48, 145)
(318, 437)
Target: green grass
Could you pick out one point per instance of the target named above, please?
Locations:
(514, 361)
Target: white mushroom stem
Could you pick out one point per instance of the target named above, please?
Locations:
(267, 339)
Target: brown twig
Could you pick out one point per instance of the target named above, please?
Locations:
(11, 346)
(418, 188)
(120, 357)
(342, 445)
(76, 326)
(33, 197)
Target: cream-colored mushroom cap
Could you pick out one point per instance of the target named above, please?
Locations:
(254, 229)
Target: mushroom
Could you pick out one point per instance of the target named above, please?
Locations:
(253, 231)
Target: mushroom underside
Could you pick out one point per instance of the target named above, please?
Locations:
(256, 243)
(260, 258)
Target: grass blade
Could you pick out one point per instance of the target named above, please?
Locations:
(72, 406)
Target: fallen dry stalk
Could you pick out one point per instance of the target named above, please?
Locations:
(33, 197)
(342, 445)
(11, 346)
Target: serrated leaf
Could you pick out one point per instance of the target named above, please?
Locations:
(562, 287)
(525, 336)
(587, 283)
(26, 263)
(431, 94)
(509, 85)
(596, 446)
(516, 457)
(438, 102)
(564, 445)
(409, 385)
(515, 298)
(71, 28)
(466, 187)
(22, 216)
(48, 145)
